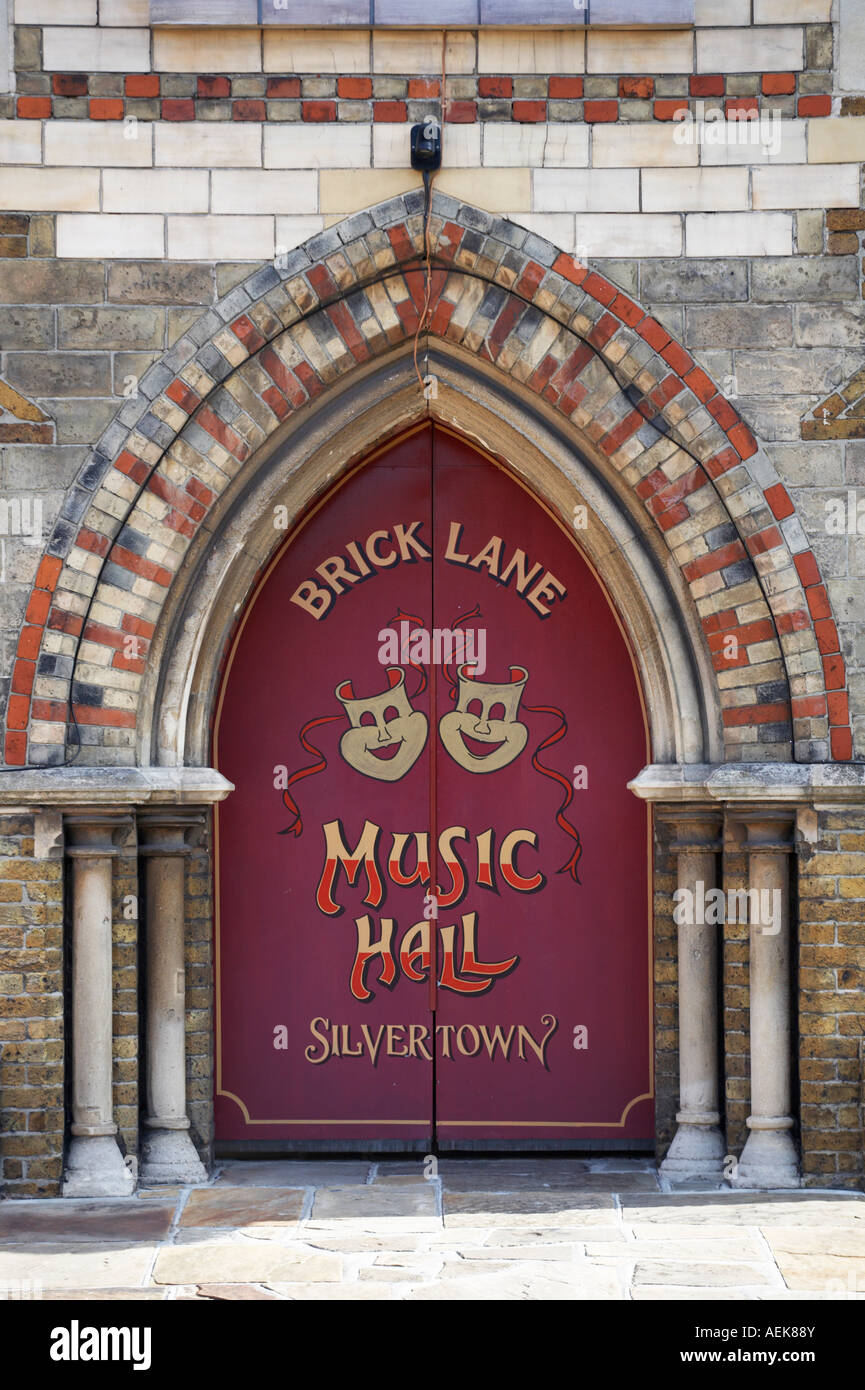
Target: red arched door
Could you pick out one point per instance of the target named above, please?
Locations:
(433, 894)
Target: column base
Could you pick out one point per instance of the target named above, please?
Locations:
(769, 1159)
(169, 1156)
(95, 1168)
(697, 1151)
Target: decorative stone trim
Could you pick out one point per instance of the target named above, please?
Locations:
(653, 421)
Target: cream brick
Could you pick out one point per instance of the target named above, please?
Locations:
(292, 231)
(539, 50)
(390, 146)
(155, 190)
(343, 191)
(617, 50)
(779, 49)
(585, 190)
(412, 50)
(316, 50)
(96, 50)
(722, 12)
(814, 186)
(753, 142)
(101, 234)
(50, 190)
(836, 141)
(792, 11)
(20, 142)
(629, 146)
(257, 190)
(194, 144)
(496, 190)
(207, 50)
(557, 227)
(694, 190)
(220, 238)
(98, 143)
(628, 234)
(535, 146)
(55, 12)
(317, 146)
(738, 234)
(114, 12)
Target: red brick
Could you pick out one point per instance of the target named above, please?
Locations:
(277, 402)
(722, 462)
(818, 601)
(248, 111)
(762, 541)
(566, 88)
(495, 86)
(390, 111)
(734, 107)
(142, 84)
(640, 88)
(838, 705)
(603, 331)
(797, 620)
(594, 111)
(69, 84)
(599, 288)
(354, 88)
(779, 84)
(742, 440)
(29, 642)
(319, 110)
(567, 267)
(134, 468)
(106, 108)
(527, 111)
(808, 706)
(627, 310)
(814, 106)
(109, 718)
(182, 395)
(283, 86)
(420, 88)
(92, 541)
(50, 710)
(23, 673)
(667, 110)
(48, 572)
(722, 411)
(706, 85)
(622, 431)
(137, 564)
(16, 749)
(104, 636)
(178, 109)
(756, 714)
(702, 386)
(841, 742)
(461, 112)
(59, 621)
(677, 358)
(140, 626)
(656, 336)
(17, 712)
(222, 433)
(827, 636)
(806, 568)
(37, 606)
(834, 672)
(715, 560)
(33, 108)
(244, 329)
(779, 500)
(219, 86)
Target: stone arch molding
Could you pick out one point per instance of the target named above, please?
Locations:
(542, 359)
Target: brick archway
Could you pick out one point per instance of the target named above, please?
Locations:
(633, 398)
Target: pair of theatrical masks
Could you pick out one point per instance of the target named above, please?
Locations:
(387, 736)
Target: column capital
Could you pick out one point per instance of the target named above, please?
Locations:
(698, 827)
(165, 833)
(769, 829)
(94, 834)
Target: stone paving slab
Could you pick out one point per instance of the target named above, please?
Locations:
(487, 1229)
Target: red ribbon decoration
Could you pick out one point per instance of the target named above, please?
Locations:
(415, 622)
(561, 819)
(296, 827)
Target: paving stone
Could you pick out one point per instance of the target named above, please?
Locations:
(648, 1293)
(692, 1250)
(54, 1221)
(234, 1292)
(658, 1231)
(79, 1295)
(291, 1173)
(748, 1209)
(338, 1292)
(525, 1252)
(831, 1240)
(707, 1275)
(552, 1236)
(361, 1242)
(807, 1271)
(77, 1266)
(536, 1209)
(242, 1262)
(249, 1206)
(370, 1208)
(573, 1177)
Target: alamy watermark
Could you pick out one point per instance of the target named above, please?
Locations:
(758, 907)
(712, 125)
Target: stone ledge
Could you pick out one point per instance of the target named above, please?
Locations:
(751, 782)
(111, 786)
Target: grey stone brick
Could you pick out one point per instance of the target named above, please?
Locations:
(110, 328)
(317, 87)
(462, 88)
(26, 328)
(385, 214)
(249, 85)
(780, 279)
(179, 84)
(229, 274)
(392, 88)
(693, 281)
(59, 373)
(564, 111)
(28, 49)
(603, 87)
(786, 372)
(40, 465)
(212, 110)
(234, 303)
(529, 88)
(625, 274)
(80, 421)
(743, 84)
(362, 111)
(106, 84)
(745, 325)
(36, 84)
(144, 108)
(494, 109)
(817, 464)
(671, 85)
(51, 282)
(71, 108)
(324, 244)
(818, 46)
(540, 249)
(357, 225)
(634, 110)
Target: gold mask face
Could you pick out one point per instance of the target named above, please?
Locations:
(476, 741)
(387, 736)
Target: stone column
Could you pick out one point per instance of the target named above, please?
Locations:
(94, 1165)
(168, 1153)
(697, 1150)
(769, 1158)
